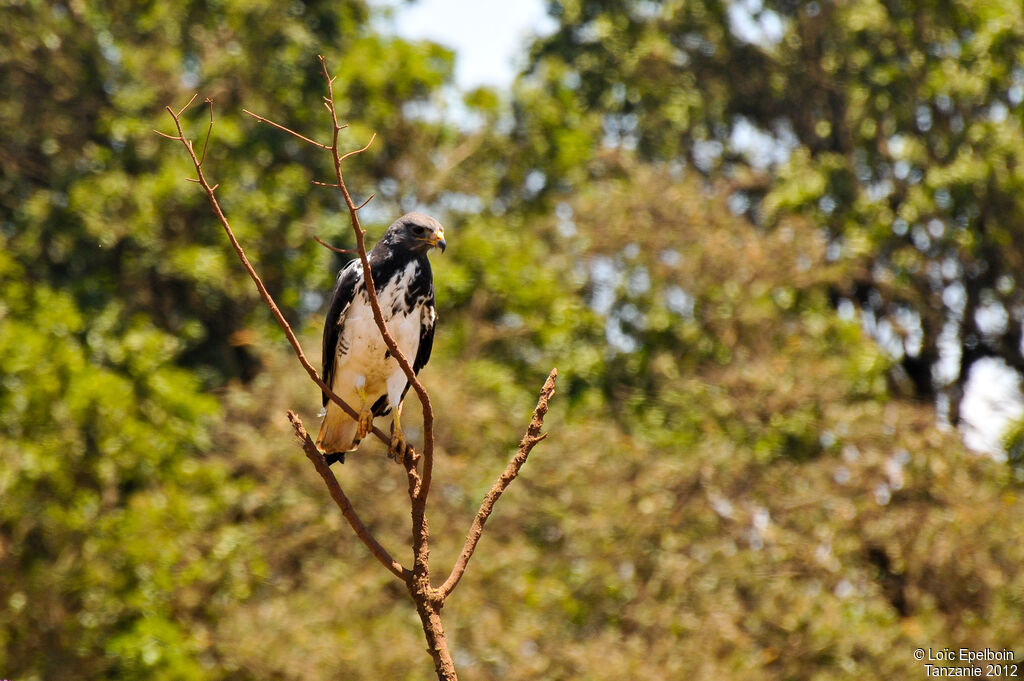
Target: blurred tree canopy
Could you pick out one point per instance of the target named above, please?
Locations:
(894, 125)
(93, 202)
(121, 309)
(748, 234)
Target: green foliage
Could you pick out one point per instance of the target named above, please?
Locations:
(106, 510)
(122, 303)
(902, 122)
(95, 202)
(1013, 443)
(759, 504)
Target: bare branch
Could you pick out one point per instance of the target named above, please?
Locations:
(209, 129)
(433, 629)
(419, 489)
(267, 298)
(178, 115)
(314, 455)
(359, 151)
(287, 130)
(530, 439)
(345, 251)
(428, 600)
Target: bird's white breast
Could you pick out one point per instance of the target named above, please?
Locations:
(367, 361)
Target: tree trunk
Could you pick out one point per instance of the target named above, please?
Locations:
(437, 643)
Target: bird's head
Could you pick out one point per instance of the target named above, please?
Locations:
(417, 232)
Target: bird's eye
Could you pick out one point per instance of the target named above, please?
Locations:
(419, 231)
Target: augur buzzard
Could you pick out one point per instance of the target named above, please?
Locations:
(358, 366)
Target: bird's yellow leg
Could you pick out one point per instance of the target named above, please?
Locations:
(398, 447)
(365, 421)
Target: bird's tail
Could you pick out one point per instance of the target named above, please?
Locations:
(337, 432)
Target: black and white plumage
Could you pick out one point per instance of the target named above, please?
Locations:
(356, 362)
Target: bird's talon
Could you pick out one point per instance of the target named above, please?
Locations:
(365, 424)
(399, 448)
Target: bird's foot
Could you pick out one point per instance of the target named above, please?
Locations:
(399, 448)
(365, 424)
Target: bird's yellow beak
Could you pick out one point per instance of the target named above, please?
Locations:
(439, 240)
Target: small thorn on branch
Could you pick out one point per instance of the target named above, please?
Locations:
(368, 198)
(191, 179)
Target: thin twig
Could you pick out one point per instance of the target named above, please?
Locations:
(314, 455)
(358, 151)
(187, 105)
(344, 251)
(287, 130)
(531, 438)
(368, 199)
(209, 129)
